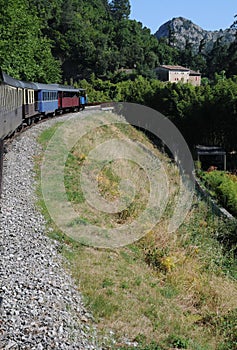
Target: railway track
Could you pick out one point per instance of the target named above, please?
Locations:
(35, 290)
(4, 143)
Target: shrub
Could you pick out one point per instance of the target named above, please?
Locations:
(228, 327)
(224, 187)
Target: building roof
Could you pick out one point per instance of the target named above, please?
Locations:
(193, 72)
(179, 68)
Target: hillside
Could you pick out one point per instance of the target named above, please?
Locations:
(165, 291)
(76, 38)
(180, 31)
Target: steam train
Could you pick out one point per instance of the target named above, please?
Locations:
(21, 102)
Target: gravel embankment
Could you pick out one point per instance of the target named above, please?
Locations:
(41, 307)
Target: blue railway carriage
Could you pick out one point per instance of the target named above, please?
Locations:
(83, 98)
(46, 99)
(11, 93)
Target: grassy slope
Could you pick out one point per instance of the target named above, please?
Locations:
(178, 290)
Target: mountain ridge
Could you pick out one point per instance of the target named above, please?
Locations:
(181, 32)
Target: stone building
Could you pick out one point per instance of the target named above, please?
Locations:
(175, 74)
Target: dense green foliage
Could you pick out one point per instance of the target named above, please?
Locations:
(224, 187)
(83, 37)
(205, 115)
(24, 51)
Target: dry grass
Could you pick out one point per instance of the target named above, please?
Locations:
(167, 284)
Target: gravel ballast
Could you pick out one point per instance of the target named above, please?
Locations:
(41, 307)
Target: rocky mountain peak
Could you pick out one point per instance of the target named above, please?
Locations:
(179, 31)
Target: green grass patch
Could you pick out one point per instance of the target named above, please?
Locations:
(47, 134)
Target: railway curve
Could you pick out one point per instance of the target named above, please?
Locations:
(41, 307)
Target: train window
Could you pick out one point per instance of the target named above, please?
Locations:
(45, 96)
(5, 97)
(31, 99)
(19, 97)
(1, 95)
(9, 98)
(10, 104)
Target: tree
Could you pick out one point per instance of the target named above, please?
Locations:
(24, 52)
(217, 58)
(120, 9)
(232, 53)
(234, 25)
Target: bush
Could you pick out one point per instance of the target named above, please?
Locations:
(224, 187)
(228, 327)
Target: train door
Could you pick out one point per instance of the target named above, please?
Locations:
(36, 100)
(60, 100)
(26, 102)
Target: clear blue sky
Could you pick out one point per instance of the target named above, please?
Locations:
(208, 14)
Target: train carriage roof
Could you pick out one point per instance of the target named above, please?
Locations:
(5, 78)
(48, 87)
(27, 85)
(66, 88)
(57, 87)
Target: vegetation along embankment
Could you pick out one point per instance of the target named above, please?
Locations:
(223, 187)
(166, 291)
